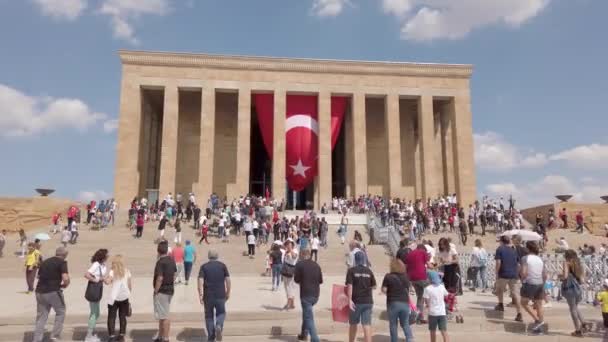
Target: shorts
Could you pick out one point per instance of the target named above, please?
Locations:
(440, 322)
(514, 285)
(531, 291)
(362, 314)
(162, 306)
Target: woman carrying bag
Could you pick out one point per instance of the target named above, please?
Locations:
(287, 272)
(119, 280)
(95, 275)
(572, 277)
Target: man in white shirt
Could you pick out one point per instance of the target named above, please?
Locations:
(562, 245)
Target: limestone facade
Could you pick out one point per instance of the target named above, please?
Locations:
(187, 121)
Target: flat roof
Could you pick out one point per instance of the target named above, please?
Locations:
(263, 63)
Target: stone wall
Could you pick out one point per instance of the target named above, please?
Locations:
(595, 214)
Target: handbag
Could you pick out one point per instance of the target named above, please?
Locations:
(129, 310)
(94, 290)
(288, 270)
(571, 287)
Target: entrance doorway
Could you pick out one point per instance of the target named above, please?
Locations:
(260, 165)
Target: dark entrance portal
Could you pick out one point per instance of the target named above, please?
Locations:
(260, 171)
(338, 166)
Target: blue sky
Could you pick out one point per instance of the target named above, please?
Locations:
(539, 85)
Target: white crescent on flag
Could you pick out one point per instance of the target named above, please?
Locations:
(302, 120)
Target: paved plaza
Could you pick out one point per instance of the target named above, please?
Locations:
(254, 311)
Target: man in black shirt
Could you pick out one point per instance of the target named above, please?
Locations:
(52, 277)
(213, 292)
(308, 274)
(360, 282)
(164, 278)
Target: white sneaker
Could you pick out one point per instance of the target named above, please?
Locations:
(92, 338)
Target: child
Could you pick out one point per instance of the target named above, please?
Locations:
(204, 232)
(66, 236)
(602, 297)
(434, 298)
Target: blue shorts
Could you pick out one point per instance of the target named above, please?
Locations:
(362, 314)
(440, 322)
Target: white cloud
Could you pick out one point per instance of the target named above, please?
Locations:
(535, 160)
(24, 115)
(124, 12)
(544, 190)
(328, 8)
(424, 20)
(493, 152)
(62, 9)
(592, 156)
(110, 125)
(96, 195)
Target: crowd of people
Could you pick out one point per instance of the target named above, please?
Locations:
(291, 245)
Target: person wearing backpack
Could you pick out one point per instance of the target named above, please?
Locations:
(572, 277)
(479, 261)
(94, 291)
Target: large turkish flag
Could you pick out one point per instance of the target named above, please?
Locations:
(301, 133)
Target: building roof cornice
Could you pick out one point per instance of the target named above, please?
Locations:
(191, 60)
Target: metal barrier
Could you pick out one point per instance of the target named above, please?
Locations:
(596, 267)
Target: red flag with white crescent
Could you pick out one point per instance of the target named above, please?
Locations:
(301, 140)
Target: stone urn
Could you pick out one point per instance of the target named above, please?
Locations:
(45, 192)
(563, 198)
(605, 198)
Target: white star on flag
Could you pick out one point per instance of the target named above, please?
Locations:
(299, 168)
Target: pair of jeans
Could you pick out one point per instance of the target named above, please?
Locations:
(399, 312)
(479, 276)
(123, 308)
(419, 286)
(308, 319)
(187, 269)
(93, 316)
(44, 303)
(577, 318)
(215, 313)
(276, 275)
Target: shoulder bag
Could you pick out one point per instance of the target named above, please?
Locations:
(94, 290)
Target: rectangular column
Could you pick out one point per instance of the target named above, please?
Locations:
(392, 124)
(278, 146)
(427, 157)
(207, 141)
(325, 188)
(168, 154)
(243, 147)
(126, 174)
(448, 147)
(464, 164)
(360, 144)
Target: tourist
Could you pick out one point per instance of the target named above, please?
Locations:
(343, 230)
(562, 245)
(602, 298)
(74, 232)
(178, 256)
(139, 225)
(308, 274)
(276, 263)
(119, 280)
(2, 242)
(287, 271)
(55, 223)
(416, 262)
(572, 277)
(507, 266)
(52, 278)
(32, 263)
(314, 245)
(95, 275)
(213, 292)
(204, 233)
(479, 262)
(251, 245)
(162, 224)
(22, 242)
(178, 231)
(189, 260)
(447, 258)
(164, 277)
(353, 247)
(434, 296)
(533, 277)
(396, 286)
(360, 282)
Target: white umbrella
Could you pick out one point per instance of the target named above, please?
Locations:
(278, 242)
(526, 235)
(42, 237)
